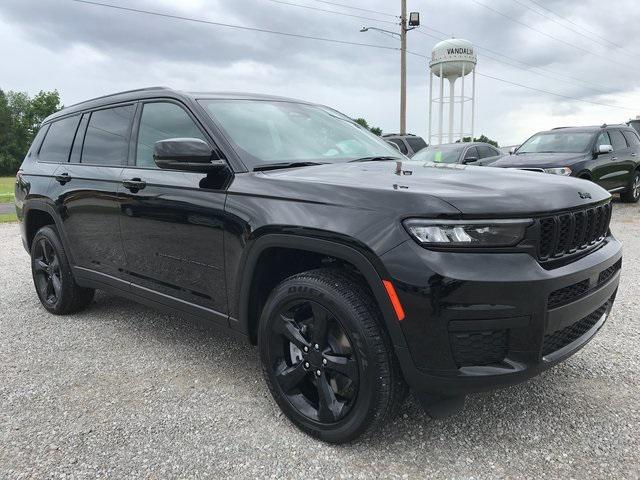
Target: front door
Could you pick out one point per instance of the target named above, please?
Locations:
(172, 221)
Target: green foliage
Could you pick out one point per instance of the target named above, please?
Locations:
(481, 138)
(362, 122)
(20, 118)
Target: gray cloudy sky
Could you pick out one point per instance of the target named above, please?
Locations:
(85, 51)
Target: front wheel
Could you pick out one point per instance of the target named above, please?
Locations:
(632, 194)
(326, 358)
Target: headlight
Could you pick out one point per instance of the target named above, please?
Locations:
(559, 171)
(469, 233)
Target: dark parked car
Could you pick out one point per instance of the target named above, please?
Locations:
(287, 224)
(408, 144)
(470, 153)
(608, 155)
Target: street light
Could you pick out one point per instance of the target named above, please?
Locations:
(414, 21)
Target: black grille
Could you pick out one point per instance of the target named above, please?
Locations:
(568, 294)
(569, 232)
(479, 348)
(561, 338)
(605, 275)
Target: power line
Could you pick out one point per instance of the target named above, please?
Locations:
(344, 42)
(333, 11)
(515, 20)
(356, 8)
(229, 25)
(548, 17)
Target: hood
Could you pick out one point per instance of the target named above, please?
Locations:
(539, 160)
(474, 191)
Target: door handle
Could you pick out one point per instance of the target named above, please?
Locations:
(633, 154)
(134, 184)
(614, 158)
(63, 178)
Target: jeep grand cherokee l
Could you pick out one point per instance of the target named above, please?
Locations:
(608, 155)
(357, 275)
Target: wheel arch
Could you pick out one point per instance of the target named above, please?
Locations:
(36, 214)
(313, 248)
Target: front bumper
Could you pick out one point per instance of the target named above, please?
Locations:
(477, 321)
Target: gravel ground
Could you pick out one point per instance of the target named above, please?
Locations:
(121, 391)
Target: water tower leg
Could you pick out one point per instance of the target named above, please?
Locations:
(441, 107)
(430, 104)
(452, 89)
(473, 102)
(462, 105)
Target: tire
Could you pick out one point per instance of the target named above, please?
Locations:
(52, 276)
(632, 194)
(334, 383)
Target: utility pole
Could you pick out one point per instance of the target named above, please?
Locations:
(413, 21)
(403, 68)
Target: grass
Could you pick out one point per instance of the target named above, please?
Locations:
(7, 185)
(8, 217)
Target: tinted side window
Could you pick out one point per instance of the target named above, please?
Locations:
(472, 152)
(79, 139)
(416, 143)
(57, 143)
(619, 143)
(632, 138)
(603, 139)
(400, 143)
(485, 151)
(160, 121)
(107, 139)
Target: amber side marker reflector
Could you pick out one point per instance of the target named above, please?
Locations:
(395, 301)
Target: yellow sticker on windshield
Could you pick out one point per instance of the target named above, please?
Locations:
(438, 157)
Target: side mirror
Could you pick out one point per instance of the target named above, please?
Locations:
(188, 154)
(470, 160)
(604, 149)
(512, 150)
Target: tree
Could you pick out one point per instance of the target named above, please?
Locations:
(482, 138)
(362, 122)
(20, 118)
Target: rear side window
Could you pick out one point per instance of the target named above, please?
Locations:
(632, 138)
(107, 139)
(161, 121)
(485, 151)
(472, 152)
(416, 143)
(618, 141)
(400, 143)
(57, 143)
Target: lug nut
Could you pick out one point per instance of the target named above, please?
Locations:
(306, 365)
(318, 373)
(306, 349)
(316, 346)
(324, 361)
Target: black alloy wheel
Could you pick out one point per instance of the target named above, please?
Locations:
(313, 361)
(326, 356)
(47, 275)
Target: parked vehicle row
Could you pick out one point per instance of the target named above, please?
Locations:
(357, 275)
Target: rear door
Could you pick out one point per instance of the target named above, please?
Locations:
(173, 225)
(622, 161)
(634, 146)
(86, 192)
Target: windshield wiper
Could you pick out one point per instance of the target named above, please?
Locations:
(374, 159)
(275, 166)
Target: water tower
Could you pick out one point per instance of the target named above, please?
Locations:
(452, 59)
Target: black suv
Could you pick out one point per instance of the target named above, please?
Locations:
(408, 144)
(286, 223)
(608, 155)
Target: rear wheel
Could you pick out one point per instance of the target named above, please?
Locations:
(632, 194)
(52, 277)
(326, 357)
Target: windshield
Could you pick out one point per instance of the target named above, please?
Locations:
(557, 142)
(439, 154)
(266, 132)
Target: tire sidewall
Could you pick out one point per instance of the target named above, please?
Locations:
(358, 416)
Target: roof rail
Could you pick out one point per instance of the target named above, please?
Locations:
(120, 93)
